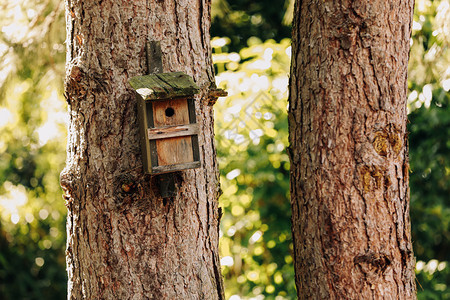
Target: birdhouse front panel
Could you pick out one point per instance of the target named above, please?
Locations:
(169, 114)
(167, 118)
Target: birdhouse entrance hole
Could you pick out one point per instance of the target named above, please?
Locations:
(170, 112)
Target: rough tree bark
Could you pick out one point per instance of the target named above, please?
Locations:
(349, 154)
(124, 240)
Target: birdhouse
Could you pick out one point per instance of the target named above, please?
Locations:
(167, 121)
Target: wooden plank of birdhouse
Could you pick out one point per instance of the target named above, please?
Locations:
(177, 150)
(149, 87)
(194, 138)
(153, 154)
(178, 167)
(172, 131)
(191, 108)
(179, 83)
(145, 143)
(154, 57)
(195, 148)
(149, 114)
(164, 85)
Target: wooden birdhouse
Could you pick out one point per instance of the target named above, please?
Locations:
(167, 121)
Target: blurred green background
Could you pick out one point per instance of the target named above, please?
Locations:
(251, 55)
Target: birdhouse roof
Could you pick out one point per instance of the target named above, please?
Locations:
(164, 85)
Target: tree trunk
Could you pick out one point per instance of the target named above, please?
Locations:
(349, 154)
(124, 240)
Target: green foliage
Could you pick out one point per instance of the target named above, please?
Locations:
(31, 258)
(241, 19)
(32, 139)
(433, 279)
(252, 136)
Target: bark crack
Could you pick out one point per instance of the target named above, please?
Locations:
(371, 63)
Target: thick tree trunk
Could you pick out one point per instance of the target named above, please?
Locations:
(349, 155)
(124, 240)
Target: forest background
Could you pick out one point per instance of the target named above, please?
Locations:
(251, 53)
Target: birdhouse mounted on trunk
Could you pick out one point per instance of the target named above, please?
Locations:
(167, 121)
